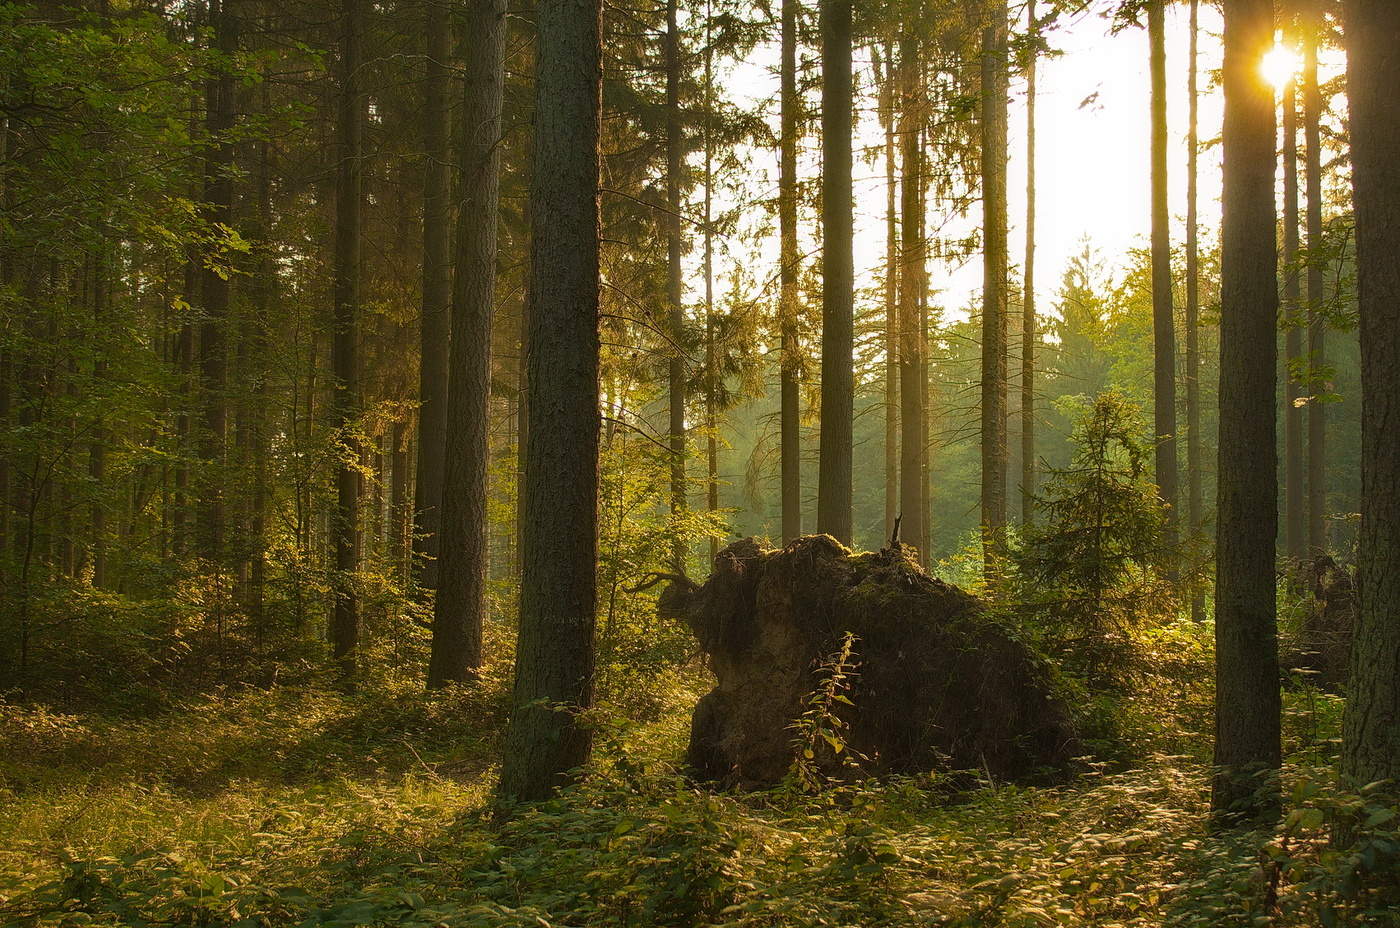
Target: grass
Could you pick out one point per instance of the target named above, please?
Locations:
(301, 806)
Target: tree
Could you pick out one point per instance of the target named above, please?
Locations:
(789, 421)
(912, 366)
(554, 663)
(1294, 521)
(1028, 320)
(345, 286)
(435, 324)
(1317, 321)
(838, 276)
(214, 282)
(1194, 494)
(1247, 702)
(675, 376)
(892, 324)
(460, 608)
(1370, 736)
(1163, 319)
(994, 276)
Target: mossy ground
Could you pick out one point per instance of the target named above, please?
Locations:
(300, 806)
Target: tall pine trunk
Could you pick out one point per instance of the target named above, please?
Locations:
(345, 532)
(459, 611)
(435, 332)
(1163, 318)
(994, 278)
(1317, 321)
(1370, 733)
(838, 276)
(892, 374)
(1294, 500)
(912, 503)
(1247, 726)
(554, 663)
(1194, 494)
(214, 286)
(789, 414)
(675, 374)
(1029, 328)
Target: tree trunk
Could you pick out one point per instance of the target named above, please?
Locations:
(675, 375)
(1371, 735)
(435, 335)
(711, 382)
(345, 612)
(838, 276)
(459, 612)
(994, 274)
(1028, 320)
(1194, 494)
(912, 503)
(1247, 739)
(214, 286)
(554, 664)
(1317, 322)
(892, 373)
(1295, 516)
(1163, 318)
(790, 427)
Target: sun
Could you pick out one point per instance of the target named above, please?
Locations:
(1280, 65)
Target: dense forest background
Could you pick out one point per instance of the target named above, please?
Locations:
(353, 349)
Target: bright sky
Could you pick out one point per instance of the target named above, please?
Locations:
(1093, 141)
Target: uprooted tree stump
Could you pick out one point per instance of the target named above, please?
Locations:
(940, 684)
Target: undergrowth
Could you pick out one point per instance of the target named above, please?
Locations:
(299, 806)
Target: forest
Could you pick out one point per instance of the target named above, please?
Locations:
(567, 463)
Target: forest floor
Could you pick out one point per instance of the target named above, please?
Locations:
(302, 806)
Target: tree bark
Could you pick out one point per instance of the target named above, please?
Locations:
(1295, 515)
(789, 414)
(675, 375)
(1247, 726)
(994, 276)
(912, 452)
(1194, 495)
(1029, 328)
(459, 611)
(1163, 317)
(1371, 722)
(892, 374)
(214, 286)
(1317, 320)
(345, 533)
(838, 276)
(554, 664)
(435, 333)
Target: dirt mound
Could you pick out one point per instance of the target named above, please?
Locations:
(940, 684)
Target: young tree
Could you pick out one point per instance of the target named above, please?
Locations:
(838, 276)
(345, 287)
(790, 437)
(994, 275)
(554, 664)
(1247, 702)
(435, 324)
(1371, 737)
(1163, 319)
(460, 608)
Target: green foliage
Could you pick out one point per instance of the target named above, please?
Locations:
(1087, 574)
